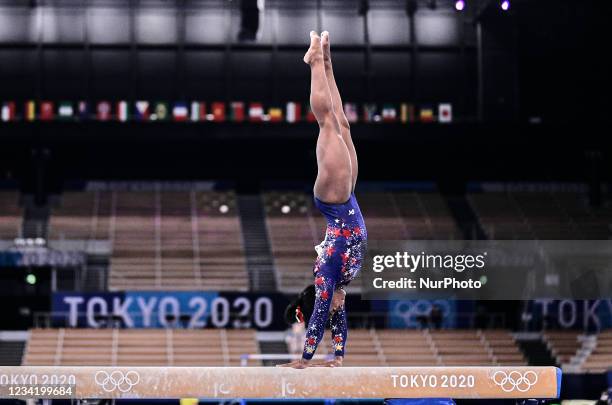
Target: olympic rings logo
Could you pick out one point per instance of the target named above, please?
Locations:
(408, 310)
(515, 380)
(117, 380)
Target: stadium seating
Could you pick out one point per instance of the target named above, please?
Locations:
(499, 216)
(366, 347)
(389, 216)
(540, 215)
(177, 240)
(590, 222)
(362, 349)
(393, 347)
(80, 216)
(293, 235)
(405, 347)
(192, 239)
(10, 215)
(600, 359)
(139, 347)
(476, 348)
(563, 345)
(503, 347)
(425, 216)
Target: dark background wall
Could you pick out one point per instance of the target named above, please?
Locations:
(531, 107)
(540, 59)
(68, 49)
(563, 74)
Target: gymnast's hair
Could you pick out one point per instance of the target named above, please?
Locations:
(300, 309)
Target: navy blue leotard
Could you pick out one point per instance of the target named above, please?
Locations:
(338, 262)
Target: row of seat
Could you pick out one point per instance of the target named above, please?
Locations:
(522, 215)
(192, 239)
(388, 347)
(10, 215)
(600, 358)
(590, 353)
(295, 226)
(365, 347)
(220, 347)
(180, 240)
(405, 215)
(139, 347)
(563, 345)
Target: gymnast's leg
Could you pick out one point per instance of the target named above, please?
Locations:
(339, 331)
(333, 185)
(334, 175)
(345, 128)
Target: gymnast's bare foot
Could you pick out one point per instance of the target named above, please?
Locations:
(314, 53)
(325, 46)
(301, 363)
(336, 362)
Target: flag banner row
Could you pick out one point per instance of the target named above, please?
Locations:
(217, 111)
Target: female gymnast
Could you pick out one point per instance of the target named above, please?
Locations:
(341, 253)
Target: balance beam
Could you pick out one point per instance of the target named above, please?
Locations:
(282, 383)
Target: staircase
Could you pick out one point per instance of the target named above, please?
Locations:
(465, 217)
(260, 264)
(95, 273)
(273, 347)
(537, 352)
(11, 352)
(588, 344)
(35, 219)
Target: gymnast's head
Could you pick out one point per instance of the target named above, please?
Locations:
(300, 309)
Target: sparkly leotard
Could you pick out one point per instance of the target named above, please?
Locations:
(338, 262)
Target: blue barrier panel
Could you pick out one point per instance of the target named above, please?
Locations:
(420, 401)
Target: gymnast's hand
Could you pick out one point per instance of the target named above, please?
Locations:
(301, 363)
(338, 299)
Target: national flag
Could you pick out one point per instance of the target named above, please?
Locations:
(83, 110)
(143, 111)
(65, 110)
(47, 112)
(389, 113)
(123, 112)
(369, 113)
(350, 110)
(8, 111)
(294, 112)
(160, 112)
(310, 117)
(406, 113)
(198, 111)
(180, 112)
(218, 111)
(30, 110)
(237, 111)
(445, 112)
(426, 114)
(275, 114)
(256, 112)
(103, 111)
